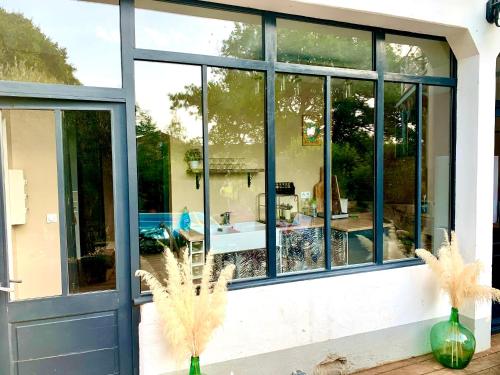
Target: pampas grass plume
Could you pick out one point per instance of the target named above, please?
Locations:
(189, 318)
(457, 279)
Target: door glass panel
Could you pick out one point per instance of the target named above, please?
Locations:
(32, 209)
(400, 125)
(88, 180)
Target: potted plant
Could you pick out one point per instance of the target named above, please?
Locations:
(190, 313)
(314, 207)
(193, 157)
(287, 211)
(453, 345)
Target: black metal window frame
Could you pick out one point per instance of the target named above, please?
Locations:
(270, 67)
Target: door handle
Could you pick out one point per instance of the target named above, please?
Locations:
(6, 290)
(10, 289)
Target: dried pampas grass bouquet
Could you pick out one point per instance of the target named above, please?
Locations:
(453, 345)
(458, 280)
(190, 313)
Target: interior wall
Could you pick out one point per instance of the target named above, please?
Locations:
(295, 162)
(35, 250)
(438, 159)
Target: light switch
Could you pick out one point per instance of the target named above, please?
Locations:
(51, 218)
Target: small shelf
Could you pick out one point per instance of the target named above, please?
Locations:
(250, 172)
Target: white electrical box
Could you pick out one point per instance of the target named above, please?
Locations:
(17, 197)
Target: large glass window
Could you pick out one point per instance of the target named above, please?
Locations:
(317, 44)
(181, 28)
(169, 161)
(353, 131)
(417, 56)
(400, 143)
(179, 193)
(60, 41)
(300, 189)
(237, 170)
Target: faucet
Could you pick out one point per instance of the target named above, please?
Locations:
(226, 218)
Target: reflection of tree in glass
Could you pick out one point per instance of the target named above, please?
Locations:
(234, 116)
(399, 143)
(236, 119)
(88, 147)
(340, 48)
(26, 54)
(352, 137)
(153, 163)
(406, 59)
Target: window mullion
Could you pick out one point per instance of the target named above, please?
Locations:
(63, 206)
(379, 42)
(328, 172)
(270, 56)
(418, 169)
(206, 169)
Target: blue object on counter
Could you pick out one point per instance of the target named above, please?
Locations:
(185, 220)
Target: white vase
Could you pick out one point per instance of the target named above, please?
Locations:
(194, 164)
(287, 214)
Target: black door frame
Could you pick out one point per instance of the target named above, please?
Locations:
(68, 305)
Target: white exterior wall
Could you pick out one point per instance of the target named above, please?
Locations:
(267, 319)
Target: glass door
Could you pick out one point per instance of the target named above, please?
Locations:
(65, 291)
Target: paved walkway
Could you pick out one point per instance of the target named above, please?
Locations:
(484, 363)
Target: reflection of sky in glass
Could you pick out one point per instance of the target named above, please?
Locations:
(89, 31)
(155, 81)
(166, 31)
(204, 32)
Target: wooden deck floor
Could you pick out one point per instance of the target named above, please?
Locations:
(484, 363)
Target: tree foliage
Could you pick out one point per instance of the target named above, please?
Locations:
(26, 54)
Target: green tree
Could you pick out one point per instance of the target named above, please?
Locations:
(153, 163)
(26, 54)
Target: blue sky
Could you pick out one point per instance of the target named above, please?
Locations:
(90, 33)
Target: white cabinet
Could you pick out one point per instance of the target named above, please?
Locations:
(17, 197)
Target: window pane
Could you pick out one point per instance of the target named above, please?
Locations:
(436, 122)
(88, 179)
(316, 44)
(399, 170)
(352, 171)
(299, 173)
(32, 220)
(416, 56)
(237, 170)
(182, 28)
(60, 41)
(169, 140)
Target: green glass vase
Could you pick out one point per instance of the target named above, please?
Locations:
(195, 366)
(452, 344)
